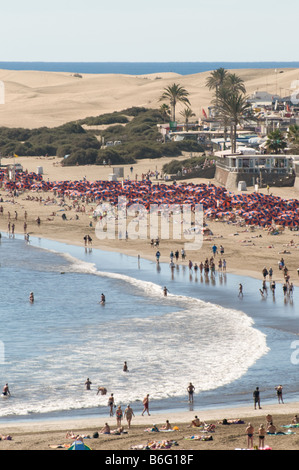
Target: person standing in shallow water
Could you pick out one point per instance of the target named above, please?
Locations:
(240, 290)
(88, 384)
(279, 393)
(190, 391)
(165, 291)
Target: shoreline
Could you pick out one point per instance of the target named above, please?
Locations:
(210, 414)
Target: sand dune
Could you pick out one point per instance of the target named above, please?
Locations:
(34, 99)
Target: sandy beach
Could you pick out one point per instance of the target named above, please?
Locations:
(255, 245)
(53, 435)
(43, 99)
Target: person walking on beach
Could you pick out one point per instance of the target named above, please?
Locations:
(256, 398)
(250, 432)
(119, 416)
(125, 367)
(111, 404)
(265, 272)
(129, 413)
(145, 405)
(190, 390)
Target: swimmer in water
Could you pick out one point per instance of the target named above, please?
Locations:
(165, 291)
(6, 392)
(103, 299)
(31, 297)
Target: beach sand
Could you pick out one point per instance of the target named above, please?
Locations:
(255, 245)
(52, 435)
(35, 99)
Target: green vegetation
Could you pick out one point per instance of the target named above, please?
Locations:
(135, 129)
(293, 138)
(59, 141)
(276, 142)
(194, 163)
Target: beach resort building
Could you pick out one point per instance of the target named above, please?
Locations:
(254, 169)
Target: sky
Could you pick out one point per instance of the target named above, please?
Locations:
(149, 31)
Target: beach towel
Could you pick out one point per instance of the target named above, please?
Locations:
(280, 433)
(199, 438)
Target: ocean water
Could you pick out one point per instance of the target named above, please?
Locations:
(200, 333)
(141, 68)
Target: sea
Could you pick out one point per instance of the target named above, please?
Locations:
(202, 332)
(141, 68)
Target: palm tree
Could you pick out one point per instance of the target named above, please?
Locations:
(165, 111)
(234, 83)
(187, 113)
(276, 141)
(175, 94)
(293, 138)
(216, 79)
(233, 108)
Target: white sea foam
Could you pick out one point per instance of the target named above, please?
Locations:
(199, 341)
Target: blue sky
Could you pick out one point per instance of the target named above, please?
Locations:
(153, 30)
